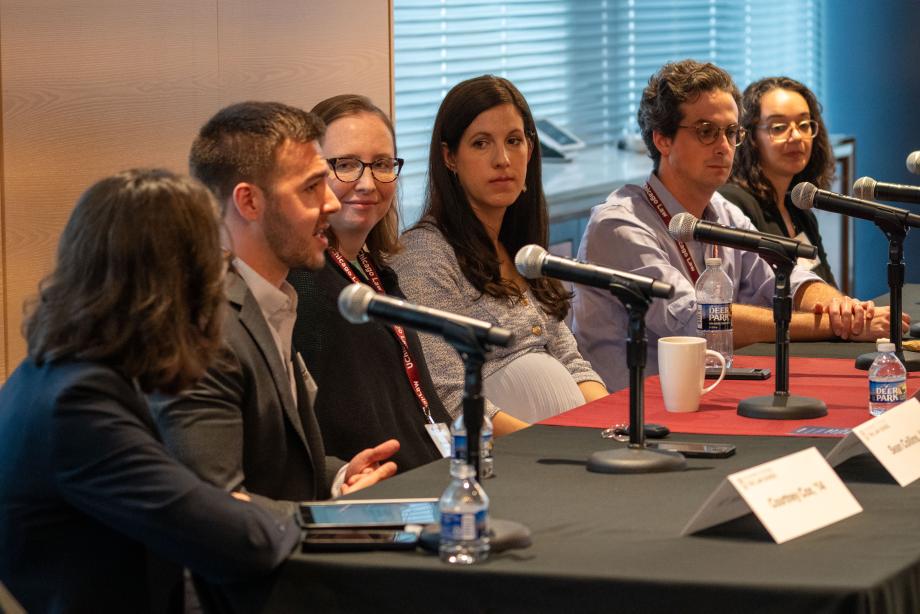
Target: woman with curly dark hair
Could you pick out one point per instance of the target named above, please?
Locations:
(484, 202)
(788, 144)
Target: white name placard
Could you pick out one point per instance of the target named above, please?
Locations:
(893, 438)
(791, 496)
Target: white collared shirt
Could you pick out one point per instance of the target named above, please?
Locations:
(278, 307)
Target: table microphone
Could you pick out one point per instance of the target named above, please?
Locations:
(533, 262)
(805, 196)
(913, 162)
(685, 227)
(870, 189)
(359, 303)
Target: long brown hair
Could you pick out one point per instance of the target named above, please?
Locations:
(747, 171)
(383, 239)
(447, 207)
(138, 283)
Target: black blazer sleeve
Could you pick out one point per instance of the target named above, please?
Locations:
(108, 464)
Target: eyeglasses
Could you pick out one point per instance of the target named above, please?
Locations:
(349, 170)
(780, 132)
(708, 133)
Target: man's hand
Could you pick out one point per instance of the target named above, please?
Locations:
(849, 317)
(365, 469)
(864, 322)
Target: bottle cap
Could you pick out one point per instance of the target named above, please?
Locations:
(886, 347)
(716, 261)
(462, 471)
(880, 341)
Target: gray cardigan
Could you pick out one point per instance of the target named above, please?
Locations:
(430, 275)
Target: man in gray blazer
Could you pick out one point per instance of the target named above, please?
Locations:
(249, 423)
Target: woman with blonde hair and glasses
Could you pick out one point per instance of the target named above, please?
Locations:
(787, 144)
(372, 380)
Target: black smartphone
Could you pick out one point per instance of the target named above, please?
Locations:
(354, 540)
(738, 373)
(694, 450)
(393, 513)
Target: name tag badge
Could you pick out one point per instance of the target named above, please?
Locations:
(791, 496)
(892, 438)
(806, 263)
(440, 435)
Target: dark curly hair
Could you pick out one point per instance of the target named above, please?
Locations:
(138, 283)
(674, 84)
(747, 171)
(447, 207)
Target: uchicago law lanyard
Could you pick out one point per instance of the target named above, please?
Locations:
(662, 212)
(410, 365)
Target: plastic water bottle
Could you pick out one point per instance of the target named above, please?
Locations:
(458, 451)
(714, 292)
(887, 381)
(464, 508)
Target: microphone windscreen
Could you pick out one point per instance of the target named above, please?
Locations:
(529, 261)
(354, 301)
(803, 195)
(864, 188)
(681, 226)
(913, 163)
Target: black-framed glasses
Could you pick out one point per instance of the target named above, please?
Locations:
(780, 132)
(349, 170)
(708, 132)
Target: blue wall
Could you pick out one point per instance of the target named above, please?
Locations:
(872, 91)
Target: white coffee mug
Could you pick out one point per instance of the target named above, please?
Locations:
(682, 369)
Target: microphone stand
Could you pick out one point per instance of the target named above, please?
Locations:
(781, 405)
(896, 233)
(473, 354)
(636, 457)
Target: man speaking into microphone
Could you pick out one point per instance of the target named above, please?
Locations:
(688, 117)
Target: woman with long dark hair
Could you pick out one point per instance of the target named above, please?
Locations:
(89, 497)
(484, 202)
(373, 383)
(787, 144)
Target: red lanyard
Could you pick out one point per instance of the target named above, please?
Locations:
(410, 365)
(662, 212)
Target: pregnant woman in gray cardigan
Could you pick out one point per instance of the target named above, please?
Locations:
(485, 201)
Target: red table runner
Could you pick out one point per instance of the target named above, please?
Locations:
(837, 382)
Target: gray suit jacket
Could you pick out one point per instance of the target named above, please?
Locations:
(239, 425)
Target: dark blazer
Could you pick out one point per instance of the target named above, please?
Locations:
(766, 218)
(239, 426)
(364, 395)
(91, 503)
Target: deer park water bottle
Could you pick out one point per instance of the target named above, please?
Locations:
(714, 292)
(464, 508)
(458, 447)
(887, 380)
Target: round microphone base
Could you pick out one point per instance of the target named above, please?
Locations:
(914, 330)
(636, 459)
(782, 407)
(910, 360)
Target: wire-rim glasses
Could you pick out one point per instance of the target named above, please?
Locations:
(708, 133)
(780, 132)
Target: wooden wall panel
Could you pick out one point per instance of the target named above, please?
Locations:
(90, 88)
(300, 52)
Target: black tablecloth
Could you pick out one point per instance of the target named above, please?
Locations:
(610, 543)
